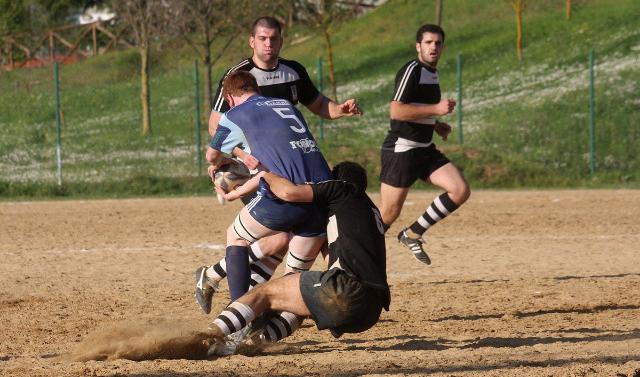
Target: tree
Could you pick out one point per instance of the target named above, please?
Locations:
(324, 15)
(141, 15)
(518, 7)
(439, 12)
(567, 6)
(202, 22)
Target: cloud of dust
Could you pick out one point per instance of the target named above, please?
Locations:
(143, 340)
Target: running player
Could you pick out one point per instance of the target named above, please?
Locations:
(408, 152)
(349, 296)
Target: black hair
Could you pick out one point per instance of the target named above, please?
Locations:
(429, 28)
(266, 22)
(351, 172)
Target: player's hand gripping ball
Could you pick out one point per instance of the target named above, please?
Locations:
(231, 175)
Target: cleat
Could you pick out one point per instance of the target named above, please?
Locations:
(205, 288)
(229, 345)
(415, 245)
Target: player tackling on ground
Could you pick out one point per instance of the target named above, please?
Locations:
(408, 152)
(349, 296)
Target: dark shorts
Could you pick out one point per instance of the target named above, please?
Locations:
(402, 169)
(301, 219)
(339, 302)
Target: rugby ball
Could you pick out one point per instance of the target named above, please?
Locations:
(231, 175)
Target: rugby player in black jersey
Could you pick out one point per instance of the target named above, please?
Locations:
(280, 78)
(349, 296)
(408, 152)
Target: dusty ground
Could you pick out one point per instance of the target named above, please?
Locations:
(531, 283)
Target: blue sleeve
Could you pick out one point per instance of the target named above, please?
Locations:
(228, 136)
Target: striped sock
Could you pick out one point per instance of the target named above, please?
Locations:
(262, 270)
(236, 316)
(440, 208)
(218, 271)
(281, 325)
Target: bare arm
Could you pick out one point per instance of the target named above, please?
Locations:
(327, 109)
(248, 187)
(214, 157)
(408, 112)
(287, 191)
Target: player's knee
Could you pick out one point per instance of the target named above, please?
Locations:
(390, 213)
(461, 193)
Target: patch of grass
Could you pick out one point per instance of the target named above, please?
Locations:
(525, 123)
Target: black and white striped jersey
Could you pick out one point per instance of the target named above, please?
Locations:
(416, 83)
(288, 80)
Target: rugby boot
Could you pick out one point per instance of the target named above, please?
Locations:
(415, 245)
(205, 288)
(229, 344)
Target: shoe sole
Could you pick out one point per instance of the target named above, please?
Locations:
(204, 303)
(422, 257)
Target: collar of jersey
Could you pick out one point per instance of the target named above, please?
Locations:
(427, 67)
(265, 70)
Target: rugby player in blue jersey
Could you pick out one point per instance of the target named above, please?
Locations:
(277, 135)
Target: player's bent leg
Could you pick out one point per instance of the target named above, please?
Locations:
(391, 201)
(303, 252)
(450, 179)
(244, 230)
(457, 192)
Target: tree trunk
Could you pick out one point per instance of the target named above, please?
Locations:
(144, 89)
(332, 78)
(207, 80)
(517, 6)
(439, 12)
(568, 9)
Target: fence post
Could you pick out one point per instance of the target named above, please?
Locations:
(196, 81)
(459, 104)
(56, 81)
(320, 87)
(592, 116)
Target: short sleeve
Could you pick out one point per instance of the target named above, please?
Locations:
(218, 103)
(331, 193)
(405, 83)
(228, 136)
(307, 92)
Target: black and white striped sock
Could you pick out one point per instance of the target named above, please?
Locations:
(236, 316)
(440, 208)
(262, 270)
(259, 274)
(218, 271)
(281, 325)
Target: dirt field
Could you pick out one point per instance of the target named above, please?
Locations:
(530, 283)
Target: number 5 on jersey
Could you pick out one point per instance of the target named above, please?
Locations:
(281, 111)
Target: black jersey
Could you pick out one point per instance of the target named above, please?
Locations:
(355, 234)
(288, 80)
(416, 83)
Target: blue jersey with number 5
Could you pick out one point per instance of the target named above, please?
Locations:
(275, 133)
